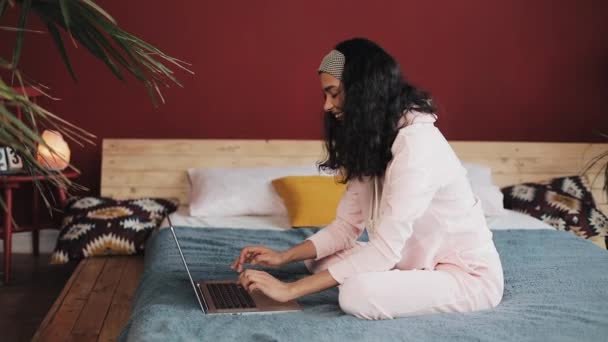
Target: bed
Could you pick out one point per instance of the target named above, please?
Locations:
(555, 290)
(555, 282)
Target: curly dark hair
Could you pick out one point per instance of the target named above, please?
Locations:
(376, 95)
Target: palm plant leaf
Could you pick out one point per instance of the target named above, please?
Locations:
(65, 12)
(89, 25)
(100, 10)
(3, 6)
(25, 9)
(119, 50)
(59, 43)
(600, 158)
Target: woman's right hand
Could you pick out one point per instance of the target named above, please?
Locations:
(258, 255)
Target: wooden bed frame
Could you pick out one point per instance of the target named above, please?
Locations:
(95, 303)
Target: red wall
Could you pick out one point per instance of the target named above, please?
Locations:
(500, 70)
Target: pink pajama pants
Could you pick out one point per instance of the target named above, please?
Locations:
(399, 293)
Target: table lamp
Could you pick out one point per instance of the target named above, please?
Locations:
(58, 160)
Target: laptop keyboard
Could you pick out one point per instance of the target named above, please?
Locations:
(230, 296)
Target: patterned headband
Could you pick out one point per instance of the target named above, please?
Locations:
(333, 64)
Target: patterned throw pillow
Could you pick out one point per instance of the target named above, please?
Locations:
(95, 226)
(565, 203)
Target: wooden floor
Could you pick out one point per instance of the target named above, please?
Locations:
(95, 303)
(33, 288)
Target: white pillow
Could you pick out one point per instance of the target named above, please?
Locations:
(480, 177)
(491, 199)
(239, 191)
(516, 220)
(478, 174)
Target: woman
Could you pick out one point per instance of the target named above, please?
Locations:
(430, 249)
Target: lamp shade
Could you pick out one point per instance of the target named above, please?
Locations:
(58, 160)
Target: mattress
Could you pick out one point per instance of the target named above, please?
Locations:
(181, 218)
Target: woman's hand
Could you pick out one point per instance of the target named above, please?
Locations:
(258, 255)
(253, 280)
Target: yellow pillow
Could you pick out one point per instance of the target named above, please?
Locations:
(310, 200)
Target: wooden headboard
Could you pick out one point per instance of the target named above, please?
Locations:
(157, 167)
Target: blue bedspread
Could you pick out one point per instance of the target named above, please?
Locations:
(556, 289)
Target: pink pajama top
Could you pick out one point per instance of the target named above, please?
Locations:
(428, 213)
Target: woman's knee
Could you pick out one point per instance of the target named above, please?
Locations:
(358, 297)
(494, 291)
(496, 297)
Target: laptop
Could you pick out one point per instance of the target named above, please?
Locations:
(229, 297)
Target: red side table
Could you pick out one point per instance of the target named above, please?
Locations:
(8, 183)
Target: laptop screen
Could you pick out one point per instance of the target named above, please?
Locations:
(199, 298)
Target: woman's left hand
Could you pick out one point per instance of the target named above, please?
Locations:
(253, 280)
